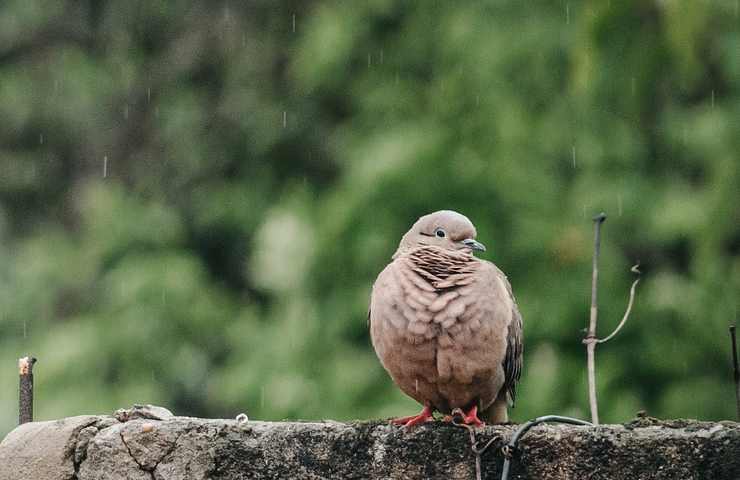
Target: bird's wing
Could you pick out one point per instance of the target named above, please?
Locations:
(514, 345)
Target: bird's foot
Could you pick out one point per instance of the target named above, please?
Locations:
(423, 417)
(459, 417)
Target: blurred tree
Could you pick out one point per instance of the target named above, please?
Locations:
(195, 197)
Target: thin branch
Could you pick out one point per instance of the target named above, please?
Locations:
(627, 312)
(474, 444)
(590, 340)
(25, 394)
(736, 370)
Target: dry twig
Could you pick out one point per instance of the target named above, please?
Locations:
(591, 340)
(736, 370)
(477, 450)
(25, 396)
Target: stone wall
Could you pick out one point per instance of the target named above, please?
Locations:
(118, 447)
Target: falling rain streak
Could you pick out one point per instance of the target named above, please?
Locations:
(712, 98)
(294, 23)
(619, 204)
(262, 398)
(567, 13)
(105, 166)
(573, 153)
(285, 119)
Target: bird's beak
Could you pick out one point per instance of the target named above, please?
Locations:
(474, 245)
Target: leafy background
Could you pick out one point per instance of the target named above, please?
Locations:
(195, 197)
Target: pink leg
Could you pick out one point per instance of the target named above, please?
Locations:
(424, 416)
(470, 418)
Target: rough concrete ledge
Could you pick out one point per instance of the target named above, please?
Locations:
(104, 447)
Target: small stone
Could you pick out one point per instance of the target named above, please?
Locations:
(151, 412)
(147, 427)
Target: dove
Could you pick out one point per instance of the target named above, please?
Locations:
(445, 324)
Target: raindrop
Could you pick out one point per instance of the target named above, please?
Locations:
(567, 13)
(262, 398)
(105, 166)
(369, 60)
(712, 98)
(25, 329)
(125, 112)
(619, 204)
(164, 297)
(397, 77)
(41, 138)
(573, 153)
(477, 100)
(416, 385)
(294, 23)
(632, 86)
(148, 94)
(381, 56)
(285, 119)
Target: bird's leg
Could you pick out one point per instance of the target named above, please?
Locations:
(424, 416)
(459, 417)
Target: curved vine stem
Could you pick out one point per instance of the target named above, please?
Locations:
(627, 312)
(591, 339)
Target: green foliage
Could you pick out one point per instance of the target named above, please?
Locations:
(195, 200)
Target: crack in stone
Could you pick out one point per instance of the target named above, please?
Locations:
(154, 468)
(169, 451)
(130, 453)
(72, 452)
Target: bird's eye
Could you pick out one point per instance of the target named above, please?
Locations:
(440, 233)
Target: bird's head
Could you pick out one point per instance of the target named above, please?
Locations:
(445, 229)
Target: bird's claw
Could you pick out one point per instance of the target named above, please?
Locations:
(460, 418)
(426, 415)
